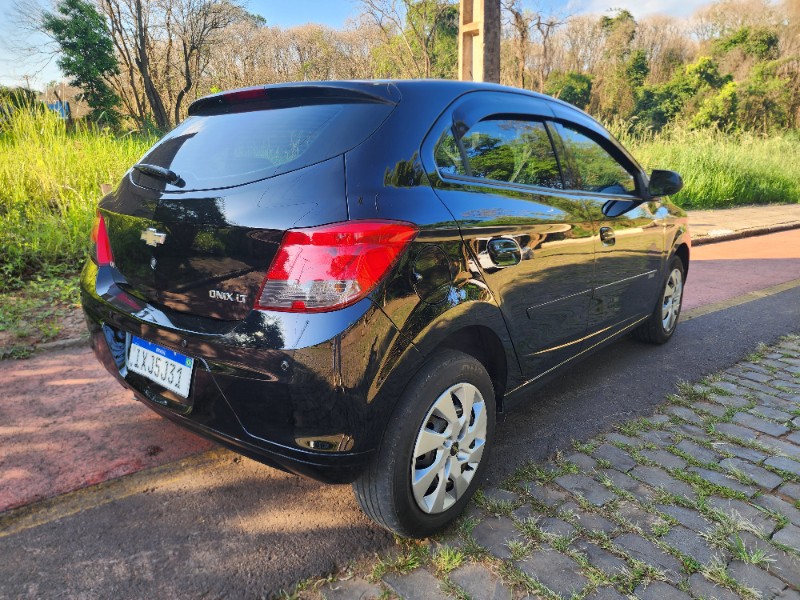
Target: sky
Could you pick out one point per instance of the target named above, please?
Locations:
(15, 66)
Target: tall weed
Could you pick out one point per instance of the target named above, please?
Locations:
(49, 188)
(724, 170)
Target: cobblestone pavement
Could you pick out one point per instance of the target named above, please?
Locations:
(701, 500)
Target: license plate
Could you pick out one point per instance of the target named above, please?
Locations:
(165, 367)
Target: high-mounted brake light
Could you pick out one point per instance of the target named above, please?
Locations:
(102, 247)
(325, 268)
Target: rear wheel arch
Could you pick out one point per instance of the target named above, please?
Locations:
(682, 252)
(483, 344)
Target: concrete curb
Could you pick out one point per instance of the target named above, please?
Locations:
(744, 233)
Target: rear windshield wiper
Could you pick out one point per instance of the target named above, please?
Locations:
(160, 173)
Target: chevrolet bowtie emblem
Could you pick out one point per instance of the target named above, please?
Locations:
(153, 237)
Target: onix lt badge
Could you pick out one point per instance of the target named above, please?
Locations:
(153, 237)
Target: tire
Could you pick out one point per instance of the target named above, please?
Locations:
(663, 321)
(435, 401)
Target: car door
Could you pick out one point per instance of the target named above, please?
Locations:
(628, 232)
(496, 170)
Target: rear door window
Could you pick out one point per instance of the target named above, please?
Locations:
(234, 148)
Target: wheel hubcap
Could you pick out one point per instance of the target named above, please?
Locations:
(671, 305)
(448, 448)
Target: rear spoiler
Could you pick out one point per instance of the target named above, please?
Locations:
(283, 95)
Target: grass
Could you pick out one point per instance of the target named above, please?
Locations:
(724, 170)
(50, 180)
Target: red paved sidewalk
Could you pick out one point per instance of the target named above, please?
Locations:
(65, 423)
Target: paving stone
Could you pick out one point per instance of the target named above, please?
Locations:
(499, 495)
(794, 437)
(754, 456)
(756, 578)
(713, 409)
(698, 452)
(762, 425)
(789, 594)
(605, 593)
(684, 413)
(788, 536)
(737, 431)
(555, 570)
(618, 438)
(629, 484)
(583, 461)
(608, 562)
(594, 522)
(780, 506)
(638, 516)
(478, 582)
(665, 459)
(761, 476)
(778, 446)
(772, 413)
(555, 526)
(731, 401)
(781, 564)
(759, 375)
(619, 459)
(494, 535)
(688, 517)
(792, 490)
(734, 508)
(728, 387)
(546, 495)
(784, 464)
(417, 585)
(703, 588)
(647, 552)
(357, 589)
(661, 479)
(568, 508)
(659, 419)
(591, 490)
(690, 430)
(691, 544)
(723, 480)
(658, 437)
(525, 512)
(658, 590)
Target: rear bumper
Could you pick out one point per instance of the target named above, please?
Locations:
(296, 392)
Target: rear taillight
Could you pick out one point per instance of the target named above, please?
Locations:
(324, 268)
(101, 252)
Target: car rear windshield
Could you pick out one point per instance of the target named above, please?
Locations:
(233, 148)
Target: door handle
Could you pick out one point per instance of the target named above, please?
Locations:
(504, 252)
(607, 236)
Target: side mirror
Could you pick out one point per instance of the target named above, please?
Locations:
(664, 183)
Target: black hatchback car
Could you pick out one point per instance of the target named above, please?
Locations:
(349, 280)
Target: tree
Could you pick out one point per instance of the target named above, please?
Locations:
(87, 55)
(572, 87)
(421, 35)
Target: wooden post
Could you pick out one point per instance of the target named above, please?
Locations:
(479, 41)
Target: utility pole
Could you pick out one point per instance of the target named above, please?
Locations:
(479, 41)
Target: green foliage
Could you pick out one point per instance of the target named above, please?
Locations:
(723, 169)
(758, 42)
(572, 87)
(50, 180)
(16, 97)
(718, 110)
(87, 55)
(637, 69)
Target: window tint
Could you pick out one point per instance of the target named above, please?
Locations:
(224, 150)
(503, 150)
(448, 156)
(597, 170)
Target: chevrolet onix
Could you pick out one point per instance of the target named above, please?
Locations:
(350, 280)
